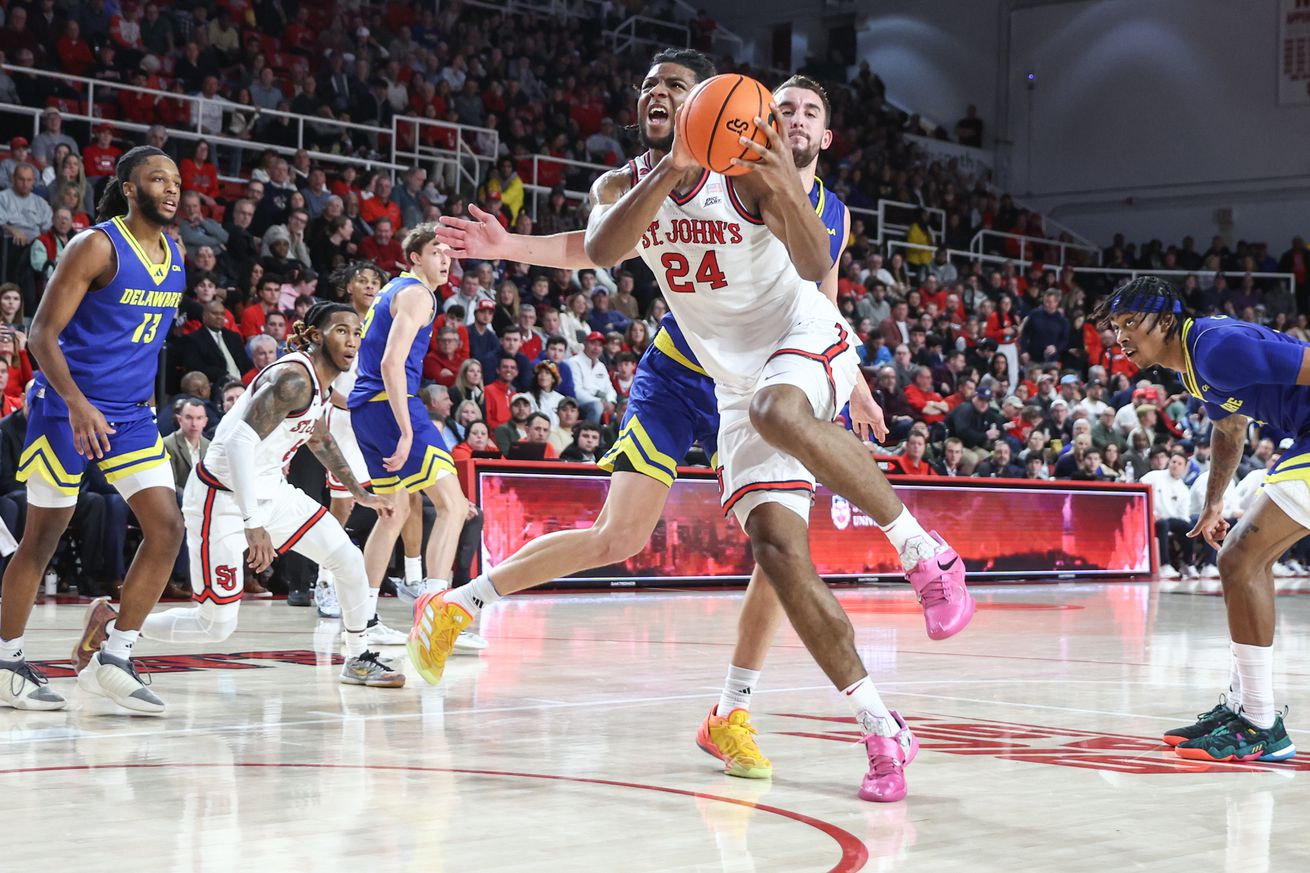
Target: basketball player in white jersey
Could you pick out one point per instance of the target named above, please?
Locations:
(361, 282)
(797, 337)
(237, 501)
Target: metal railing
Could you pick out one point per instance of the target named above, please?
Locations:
(959, 255)
(1028, 245)
(458, 163)
(648, 31)
(539, 184)
(895, 217)
(35, 113)
(380, 140)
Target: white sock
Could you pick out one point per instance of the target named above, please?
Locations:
(120, 642)
(909, 539)
(1234, 697)
(737, 690)
(373, 601)
(325, 577)
(431, 585)
(865, 703)
(11, 650)
(475, 595)
(1256, 666)
(413, 569)
(354, 641)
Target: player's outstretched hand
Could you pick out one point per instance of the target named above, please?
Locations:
(775, 159)
(397, 459)
(680, 154)
(90, 430)
(379, 504)
(1211, 526)
(866, 417)
(259, 549)
(479, 237)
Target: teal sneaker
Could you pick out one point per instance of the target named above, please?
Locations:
(1239, 740)
(1205, 723)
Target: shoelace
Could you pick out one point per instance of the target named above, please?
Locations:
(25, 672)
(144, 680)
(739, 738)
(934, 592)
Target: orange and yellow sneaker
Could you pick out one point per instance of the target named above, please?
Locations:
(732, 741)
(436, 626)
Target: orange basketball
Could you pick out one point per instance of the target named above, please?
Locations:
(716, 113)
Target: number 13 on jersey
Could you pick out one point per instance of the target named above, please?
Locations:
(145, 331)
(676, 267)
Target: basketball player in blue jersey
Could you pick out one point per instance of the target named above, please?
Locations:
(672, 403)
(404, 452)
(98, 334)
(1242, 373)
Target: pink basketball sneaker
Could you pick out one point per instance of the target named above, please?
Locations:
(888, 758)
(939, 581)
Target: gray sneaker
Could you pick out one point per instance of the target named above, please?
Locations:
(117, 679)
(368, 669)
(22, 686)
(408, 592)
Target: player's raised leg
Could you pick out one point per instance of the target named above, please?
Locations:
(784, 416)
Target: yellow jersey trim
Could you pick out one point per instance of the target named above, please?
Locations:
(158, 272)
(665, 344)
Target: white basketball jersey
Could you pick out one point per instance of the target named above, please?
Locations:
(277, 448)
(728, 280)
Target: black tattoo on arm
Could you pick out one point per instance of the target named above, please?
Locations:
(327, 451)
(287, 389)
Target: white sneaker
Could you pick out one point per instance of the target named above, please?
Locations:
(1282, 570)
(22, 686)
(1209, 571)
(470, 643)
(325, 598)
(378, 634)
(1191, 572)
(117, 679)
(1297, 568)
(1168, 572)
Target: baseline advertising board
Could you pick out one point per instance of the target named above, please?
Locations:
(1002, 529)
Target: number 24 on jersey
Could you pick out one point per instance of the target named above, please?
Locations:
(708, 276)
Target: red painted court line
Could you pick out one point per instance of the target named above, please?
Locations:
(854, 854)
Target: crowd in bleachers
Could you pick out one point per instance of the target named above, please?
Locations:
(982, 367)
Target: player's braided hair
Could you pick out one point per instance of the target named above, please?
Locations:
(315, 317)
(339, 279)
(113, 202)
(1149, 295)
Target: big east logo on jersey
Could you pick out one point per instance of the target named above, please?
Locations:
(692, 231)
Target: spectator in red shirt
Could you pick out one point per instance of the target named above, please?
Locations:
(100, 158)
(75, 57)
(441, 363)
(380, 205)
(498, 394)
(382, 248)
(200, 175)
(912, 460)
(929, 406)
(252, 319)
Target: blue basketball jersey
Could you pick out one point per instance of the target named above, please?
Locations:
(1235, 367)
(373, 345)
(833, 213)
(113, 340)
(830, 208)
